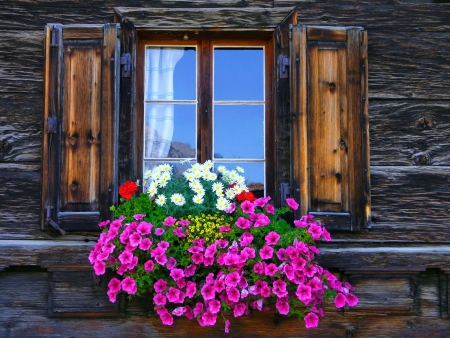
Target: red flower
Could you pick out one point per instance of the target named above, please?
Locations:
(127, 189)
(246, 196)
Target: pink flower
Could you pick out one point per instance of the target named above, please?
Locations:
(352, 300)
(104, 223)
(169, 221)
(340, 300)
(214, 306)
(208, 292)
(265, 291)
(112, 296)
(188, 313)
(145, 244)
(261, 220)
(272, 238)
(219, 285)
(261, 202)
(270, 209)
(161, 259)
(271, 269)
(315, 230)
(232, 279)
(211, 250)
(311, 320)
(163, 245)
(173, 295)
(149, 265)
(197, 258)
(231, 208)
(309, 271)
(326, 235)
(266, 252)
(248, 207)
(179, 311)
(227, 326)
(165, 316)
(233, 294)
(126, 257)
(189, 271)
(129, 285)
(114, 285)
(225, 229)
(176, 274)
(239, 309)
(209, 318)
(222, 243)
(139, 217)
(135, 239)
(144, 228)
(292, 204)
(191, 289)
(159, 299)
(171, 263)
(243, 223)
(282, 307)
(245, 239)
(259, 268)
(304, 293)
(160, 285)
(159, 231)
(179, 232)
(300, 224)
(99, 268)
(184, 222)
(198, 309)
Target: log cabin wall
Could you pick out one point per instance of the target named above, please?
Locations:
(400, 265)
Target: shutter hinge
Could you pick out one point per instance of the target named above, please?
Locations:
(52, 124)
(285, 192)
(283, 64)
(125, 62)
(54, 37)
(52, 222)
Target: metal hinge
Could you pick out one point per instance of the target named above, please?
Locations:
(54, 37)
(52, 124)
(52, 222)
(285, 192)
(125, 62)
(283, 64)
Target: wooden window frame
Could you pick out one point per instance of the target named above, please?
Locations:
(205, 43)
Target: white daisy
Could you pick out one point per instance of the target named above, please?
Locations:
(178, 199)
(160, 200)
(221, 169)
(165, 175)
(240, 169)
(230, 193)
(198, 199)
(152, 191)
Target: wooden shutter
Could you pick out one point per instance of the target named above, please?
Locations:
(330, 129)
(80, 124)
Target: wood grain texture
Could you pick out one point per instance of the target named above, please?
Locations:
(421, 130)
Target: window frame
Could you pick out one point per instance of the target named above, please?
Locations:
(205, 43)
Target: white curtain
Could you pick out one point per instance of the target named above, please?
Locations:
(159, 118)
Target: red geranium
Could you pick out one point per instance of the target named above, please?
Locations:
(246, 196)
(127, 189)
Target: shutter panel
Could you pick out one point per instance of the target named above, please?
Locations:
(330, 129)
(79, 142)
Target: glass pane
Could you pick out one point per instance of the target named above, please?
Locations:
(170, 131)
(170, 73)
(238, 74)
(239, 131)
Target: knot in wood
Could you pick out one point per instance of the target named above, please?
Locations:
(423, 158)
(74, 186)
(73, 140)
(423, 123)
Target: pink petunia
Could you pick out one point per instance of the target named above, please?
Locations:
(181, 283)
(159, 231)
(224, 229)
(304, 293)
(233, 294)
(139, 217)
(114, 285)
(145, 244)
(161, 259)
(261, 202)
(245, 239)
(266, 252)
(126, 257)
(340, 300)
(144, 228)
(211, 250)
(232, 279)
(189, 313)
(270, 269)
(231, 208)
(198, 309)
(222, 243)
(189, 271)
(169, 221)
(195, 249)
(208, 261)
(184, 222)
(197, 258)
(159, 299)
(261, 220)
(239, 309)
(243, 223)
(248, 207)
(179, 311)
(259, 268)
(315, 230)
(208, 292)
(191, 289)
(352, 300)
(135, 239)
(163, 245)
(227, 326)
(270, 209)
(149, 265)
(112, 296)
(104, 223)
(272, 238)
(265, 291)
(171, 263)
(292, 203)
(129, 285)
(99, 268)
(179, 232)
(173, 295)
(311, 320)
(209, 318)
(160, 285)
(214, 306)
(165, 316)
(219, 285)
(176, 274)
(282, 307)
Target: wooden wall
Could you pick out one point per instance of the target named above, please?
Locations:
(401, 265)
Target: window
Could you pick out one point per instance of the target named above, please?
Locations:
(108, 116)
(204, 100)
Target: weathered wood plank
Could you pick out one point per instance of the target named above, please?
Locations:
(421, 130)
(20, 128)
(414, 195)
